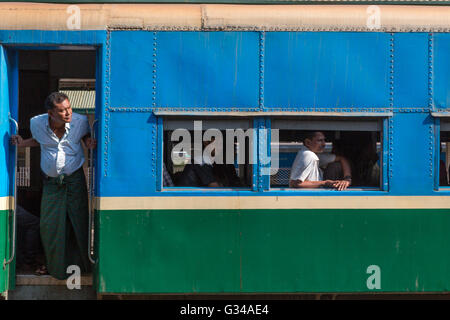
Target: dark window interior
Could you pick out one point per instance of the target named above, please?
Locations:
(361, 148)
(444, 159)
(177, 163)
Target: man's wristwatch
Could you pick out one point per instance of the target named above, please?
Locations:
(348, 178)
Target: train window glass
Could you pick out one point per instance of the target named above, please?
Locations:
(444, 153)
(357, 140)
(207, 153)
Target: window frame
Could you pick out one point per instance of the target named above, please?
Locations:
(160, 155)
(261, 183)
(438, 119)
(384, 159)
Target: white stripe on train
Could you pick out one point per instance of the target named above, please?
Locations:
(210, 17)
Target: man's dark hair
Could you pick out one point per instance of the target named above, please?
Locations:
(309, 135)
(53, 99)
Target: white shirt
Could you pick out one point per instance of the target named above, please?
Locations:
(307, 165)
(63, 156)
(205, 159)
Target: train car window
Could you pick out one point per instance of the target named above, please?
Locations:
(207, 153)
(358, 141)
(444, 153)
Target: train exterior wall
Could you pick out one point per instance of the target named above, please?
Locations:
(265, 240)
(270, 250)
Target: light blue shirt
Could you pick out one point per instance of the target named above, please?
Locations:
(63, 156)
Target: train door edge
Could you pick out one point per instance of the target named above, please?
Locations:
(8, 126)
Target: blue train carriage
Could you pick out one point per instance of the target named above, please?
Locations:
(366, 76)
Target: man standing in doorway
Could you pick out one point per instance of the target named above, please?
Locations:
(64, 207)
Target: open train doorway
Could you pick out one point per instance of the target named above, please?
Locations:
(41, 72)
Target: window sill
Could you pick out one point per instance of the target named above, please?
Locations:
(186, 191)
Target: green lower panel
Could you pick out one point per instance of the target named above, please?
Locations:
(4, 249)
(273, 251)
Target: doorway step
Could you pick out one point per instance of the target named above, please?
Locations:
(32, 287)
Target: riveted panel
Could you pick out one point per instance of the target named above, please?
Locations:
(327, 70)
(132, 154)
(131, 68)
(216, 70)
(411, 70)
(441, 70)
(411, 154)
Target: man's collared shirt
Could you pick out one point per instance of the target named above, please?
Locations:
(60, 156)
(307, 165)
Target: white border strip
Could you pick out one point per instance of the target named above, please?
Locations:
(5, 203)
(273, 202)
(392, 18)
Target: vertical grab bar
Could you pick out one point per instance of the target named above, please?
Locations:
(91, 196)
(13, 250)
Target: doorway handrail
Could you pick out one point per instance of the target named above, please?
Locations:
(91, 197)
(13, 250)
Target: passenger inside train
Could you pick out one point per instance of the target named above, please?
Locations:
(307, 168)
(204, 169)
(360, 150)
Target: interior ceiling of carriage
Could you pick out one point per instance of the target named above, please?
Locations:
(227, 17)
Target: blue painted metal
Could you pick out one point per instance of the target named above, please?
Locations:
(413, 153)
(100, 102)
(239, 71)
(8, 108)
(40, 38)
(441, 71)
(385, 155)
(219, 70)
(323, 70)
(435, 134)
(266, 178)
(255, 167)
(5, 128)
(158, 146)
(411, 74)
(132, 69)
(130, 159)
(261, 144)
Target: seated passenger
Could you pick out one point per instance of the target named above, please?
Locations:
(226, 175)
(443, 181)
(306, 170)
(167, 179)
(367, 170)
(200, 173)
(28, 241)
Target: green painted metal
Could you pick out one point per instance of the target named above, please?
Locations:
(11, 283)
(4, 249)
(272, 251)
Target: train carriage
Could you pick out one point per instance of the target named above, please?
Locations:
(379, 74)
